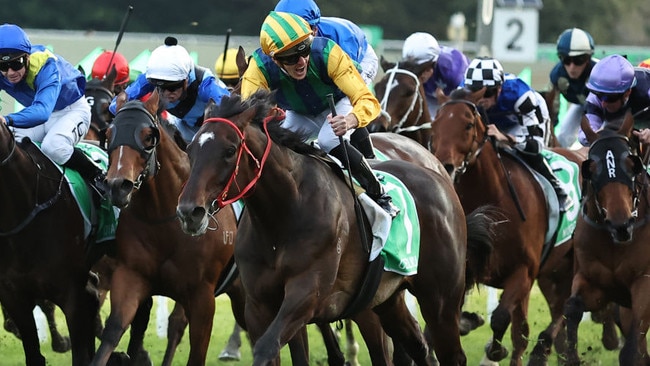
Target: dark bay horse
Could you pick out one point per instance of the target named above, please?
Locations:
(298, 251)
(610, 240)
(460, 141)
(154, 256)
(41, 255)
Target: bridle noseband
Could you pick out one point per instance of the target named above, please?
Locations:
(416, 98)
(471, 154)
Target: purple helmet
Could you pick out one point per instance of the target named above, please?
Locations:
(613, 74)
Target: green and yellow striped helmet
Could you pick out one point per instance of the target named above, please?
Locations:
(282, 32)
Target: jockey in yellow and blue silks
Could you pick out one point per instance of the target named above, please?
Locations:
(349, 36)
(303, 70)
(184, 87)
(51, 89)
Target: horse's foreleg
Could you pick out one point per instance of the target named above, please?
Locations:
(334, 354)
(177, 322)
(635, 350)
(127, 293)
(80, 309)
(200, 312)
(23, 319)
(352, 347)
(369, 324)
(231, 351)
(135, 350)
(60, 343)
(299, 348)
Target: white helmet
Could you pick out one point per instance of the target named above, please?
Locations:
(420, 47)
(169, 62)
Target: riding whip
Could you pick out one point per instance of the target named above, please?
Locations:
(225, 52)
(357, 206)
(129, 10)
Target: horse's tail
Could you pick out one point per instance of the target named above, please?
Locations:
(480, 235)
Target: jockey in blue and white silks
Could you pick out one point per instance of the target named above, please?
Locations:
(184, 87)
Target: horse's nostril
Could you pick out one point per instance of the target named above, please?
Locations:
(449, 168)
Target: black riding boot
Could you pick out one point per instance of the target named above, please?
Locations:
(539, 164)
(360, 139)
(362, 172)
(90, 172)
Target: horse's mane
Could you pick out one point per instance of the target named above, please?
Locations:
(263, 101)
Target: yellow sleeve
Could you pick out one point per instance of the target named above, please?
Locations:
(252, 80)
(345, 75)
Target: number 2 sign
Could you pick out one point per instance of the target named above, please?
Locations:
(515, 34)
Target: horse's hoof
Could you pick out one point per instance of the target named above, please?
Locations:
(142, 359)
(495, 352)
(61, 344)
(118, 359)
(486, 362)
(469, 322)
(227, 355)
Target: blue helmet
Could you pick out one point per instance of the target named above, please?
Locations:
(13, 41)
(575, 42)
(612, 75)
(307, 9)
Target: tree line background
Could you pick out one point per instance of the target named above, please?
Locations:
(613, 22)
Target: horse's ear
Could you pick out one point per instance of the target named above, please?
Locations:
(627, 125)
(81, 69)
(637, 167)
(586, 128)
(474, 97)
(152, 102)
(110, 78)
(385, 64)
(584, 169)
(240, 59)
(119, 101)
(441, 97)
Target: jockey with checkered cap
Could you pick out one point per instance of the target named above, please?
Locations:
(515, 114)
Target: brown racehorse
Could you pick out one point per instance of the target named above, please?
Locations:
(298, 247)
(147, 169)
(460, 141)
(41, 256)
(612, 261)
(404, 105)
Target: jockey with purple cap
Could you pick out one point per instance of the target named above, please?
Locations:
(447, 69)
(617, 87)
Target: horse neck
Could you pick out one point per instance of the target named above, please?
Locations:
(28, 179)
(279, 183)
(486, 169)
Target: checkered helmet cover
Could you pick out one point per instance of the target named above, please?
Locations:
(483, 72)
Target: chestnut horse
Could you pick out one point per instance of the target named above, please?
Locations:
(42, 255)
(610, 240)
(461, 143)
(154, 256)
(298, 247)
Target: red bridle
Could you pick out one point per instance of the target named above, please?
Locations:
(221, 199)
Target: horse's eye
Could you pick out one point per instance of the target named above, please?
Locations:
(230, 152)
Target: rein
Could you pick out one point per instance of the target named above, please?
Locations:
(38, 207)
(416, 98)
(221, 200)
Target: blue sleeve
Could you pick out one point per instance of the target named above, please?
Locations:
(47, 86)
(211, 88)
(137, 89)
